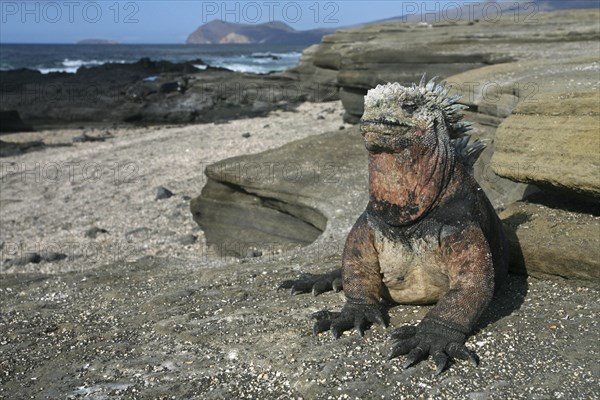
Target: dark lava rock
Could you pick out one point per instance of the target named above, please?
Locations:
(253, 253)
(188, 239)
(36, 258)
(53, 256)
(33, 258)
(138, 231)
(94, 231)
(10, 121)
(168, 87)
(163, 193)
(9, 149)
(176, 93)
(84, 137)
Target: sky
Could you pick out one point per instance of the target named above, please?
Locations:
(171, 21)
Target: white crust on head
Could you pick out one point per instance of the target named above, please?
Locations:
(387, 100)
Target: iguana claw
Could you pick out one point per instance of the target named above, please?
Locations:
(315, 283)
(357, 316)
(430, 338)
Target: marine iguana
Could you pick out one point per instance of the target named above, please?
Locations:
(428, 234)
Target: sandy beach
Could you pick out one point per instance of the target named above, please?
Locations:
(50, 198)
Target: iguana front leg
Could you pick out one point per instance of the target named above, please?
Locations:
(362, 285)
(444, 330)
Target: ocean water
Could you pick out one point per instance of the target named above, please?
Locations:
(258, 59)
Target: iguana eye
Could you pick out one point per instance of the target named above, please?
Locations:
(409, 108)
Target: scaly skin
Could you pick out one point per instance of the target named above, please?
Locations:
(428, 235)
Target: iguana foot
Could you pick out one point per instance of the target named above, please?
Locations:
(358, 316)
(315, 283)
(430, 338)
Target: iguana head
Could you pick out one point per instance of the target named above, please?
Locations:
(416, 140)
(397, 116)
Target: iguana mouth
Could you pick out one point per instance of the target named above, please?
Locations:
(382, 126)
(387, 122)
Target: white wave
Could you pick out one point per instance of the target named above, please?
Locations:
(72, 66)
(254, 63)
(252, 69)
(262, 61)
(69, 70)
(80, 63)
(293, 54)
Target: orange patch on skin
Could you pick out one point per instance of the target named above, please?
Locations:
(360, 265)
(471, 278)
(405, 180)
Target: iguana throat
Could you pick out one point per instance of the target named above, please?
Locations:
(405, 185)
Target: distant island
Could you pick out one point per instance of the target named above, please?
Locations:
(97, 41)
(220, 32)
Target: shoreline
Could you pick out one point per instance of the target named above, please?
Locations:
(149, 93)
(68, 58)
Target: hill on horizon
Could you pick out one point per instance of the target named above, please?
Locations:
(523, 9)
(276, 32)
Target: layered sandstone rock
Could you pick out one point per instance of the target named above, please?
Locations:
(400, 51)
